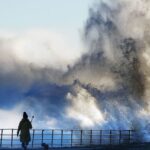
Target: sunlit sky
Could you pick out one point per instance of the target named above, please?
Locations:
(62, 15)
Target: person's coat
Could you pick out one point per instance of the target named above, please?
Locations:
(24, 128)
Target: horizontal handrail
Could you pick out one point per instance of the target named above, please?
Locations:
(67, 138)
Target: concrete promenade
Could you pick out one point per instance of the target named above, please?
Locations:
(136, 146)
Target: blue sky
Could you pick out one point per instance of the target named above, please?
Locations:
(61, 14)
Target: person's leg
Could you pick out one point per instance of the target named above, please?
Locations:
(24, 146)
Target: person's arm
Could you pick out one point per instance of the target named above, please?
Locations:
(30, 125)
(19, 128)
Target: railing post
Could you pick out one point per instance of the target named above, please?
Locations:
(120, 136)
(81, 138)
(90, 137)
(42, 135)
(12, 137)
(129, 136)
(33, 137)
(52, 138)
(71, 137)
(110, 133)
(1, 137)
(61, 138)
(100, 137)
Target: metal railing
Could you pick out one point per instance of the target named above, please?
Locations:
(67, 138)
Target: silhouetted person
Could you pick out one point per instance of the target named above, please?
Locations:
(24, 129)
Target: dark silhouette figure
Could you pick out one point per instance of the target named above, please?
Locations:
(24, 130)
